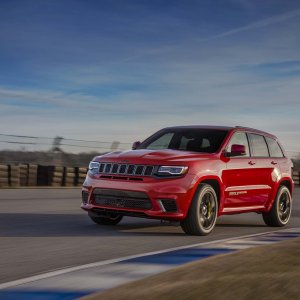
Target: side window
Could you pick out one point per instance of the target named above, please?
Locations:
(239, 138)
(259, 147)
(274, 148)
(162, 143)
(183, 143)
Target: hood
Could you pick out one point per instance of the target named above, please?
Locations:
(144, 156)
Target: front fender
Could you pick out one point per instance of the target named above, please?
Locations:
(207, 179)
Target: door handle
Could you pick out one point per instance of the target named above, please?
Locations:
(251, 163)
(273, 162)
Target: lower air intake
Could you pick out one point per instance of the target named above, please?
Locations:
(169, 205)
(85, 197)
(121, 199)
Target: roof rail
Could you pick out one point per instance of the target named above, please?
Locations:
(257, 130)
(245, 127)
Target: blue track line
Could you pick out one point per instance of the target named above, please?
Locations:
(71, 285)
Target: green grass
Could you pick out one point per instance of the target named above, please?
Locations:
(266, 272)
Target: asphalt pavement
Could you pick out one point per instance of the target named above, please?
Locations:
(44, 229)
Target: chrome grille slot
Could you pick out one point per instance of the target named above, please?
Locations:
(126, 169)
(148, 170)
(139, 170)
(107, 168)
(131, 169)
(115, 168)
(101, 169)
(122, 169)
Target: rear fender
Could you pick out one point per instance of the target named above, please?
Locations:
(275, 190)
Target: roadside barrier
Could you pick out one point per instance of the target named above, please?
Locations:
(14, 175)
(32, 175)
(23, 174)
(69, 176)
(296, 177)
(55, 175)
(4, 176)
(38, 175)
(27, 174)
(80, 174)
(42, 176)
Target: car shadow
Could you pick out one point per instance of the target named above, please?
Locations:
(45, 225)
(240, 225)
(74, 225)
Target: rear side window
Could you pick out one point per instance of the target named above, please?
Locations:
(274, 148)
(239, 138)
(259, 147)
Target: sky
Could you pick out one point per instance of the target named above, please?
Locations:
(122, 69)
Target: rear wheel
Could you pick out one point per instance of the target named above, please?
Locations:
(280, 212)
(113, 219)
(203, 212)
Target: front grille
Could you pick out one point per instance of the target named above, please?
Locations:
(126, 169)
(169, 205)
(122, 199)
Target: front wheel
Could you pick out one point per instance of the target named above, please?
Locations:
(203, 212)
(280, 212)
(101, 220)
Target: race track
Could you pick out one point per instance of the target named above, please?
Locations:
(44, 229)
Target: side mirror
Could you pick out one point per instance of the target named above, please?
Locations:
(135, 145)
(236, 150)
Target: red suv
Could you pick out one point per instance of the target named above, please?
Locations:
(192, 174)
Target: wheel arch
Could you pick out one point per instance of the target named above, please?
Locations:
(287, 182)
(216, 184)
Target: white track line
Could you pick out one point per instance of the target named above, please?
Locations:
(116, 260)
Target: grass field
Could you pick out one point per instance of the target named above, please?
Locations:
(266, 272)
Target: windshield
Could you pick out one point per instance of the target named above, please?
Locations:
(187, 139)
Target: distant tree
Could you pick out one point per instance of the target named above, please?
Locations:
(114, 145)
(56, 144)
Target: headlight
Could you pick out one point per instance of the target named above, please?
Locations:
(94, 167)
(171, 170)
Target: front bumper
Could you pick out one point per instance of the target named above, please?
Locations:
(175, 190)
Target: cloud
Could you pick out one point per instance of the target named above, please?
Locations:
(116, 75)
(257, 25)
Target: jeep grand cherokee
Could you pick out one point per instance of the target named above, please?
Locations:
(192, 174)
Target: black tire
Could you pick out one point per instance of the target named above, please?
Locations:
(203, 212)
(280, 212)
(100, 220)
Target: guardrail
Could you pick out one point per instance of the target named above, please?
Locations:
(37, 175)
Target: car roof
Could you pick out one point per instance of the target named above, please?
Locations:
(201, 127)
(227, 128)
